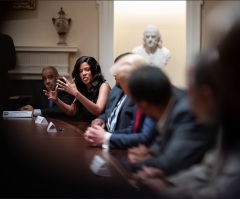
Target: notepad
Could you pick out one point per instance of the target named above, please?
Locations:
(98, 167)
(17, 114)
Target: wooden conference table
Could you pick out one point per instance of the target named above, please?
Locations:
(35, 163)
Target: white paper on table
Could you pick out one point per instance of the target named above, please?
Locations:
(41, 120)
(99, 167)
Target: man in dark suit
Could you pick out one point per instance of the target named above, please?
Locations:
(213, 85)
(125, 112)
(39, 103)
(182, 141)
(144, 128)
(7, 62)
(118, 114)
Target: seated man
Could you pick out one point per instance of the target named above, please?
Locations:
(39, 103)
(144, 128)
(119, 114)
(218, 175)
(182, 141)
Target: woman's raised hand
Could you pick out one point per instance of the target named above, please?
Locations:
(52, 94)
(67, 86)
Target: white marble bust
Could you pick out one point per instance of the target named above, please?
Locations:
(152, 48)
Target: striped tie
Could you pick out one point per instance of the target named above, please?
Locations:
(112, 120)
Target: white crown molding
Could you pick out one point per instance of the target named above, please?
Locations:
(46, 48)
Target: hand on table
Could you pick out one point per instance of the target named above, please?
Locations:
(95, 135)
(148, 178)
(26, 108)
(139, 154)
(98, 122)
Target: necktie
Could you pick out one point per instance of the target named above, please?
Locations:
(50, 103)
(137, 120)
(112, 120)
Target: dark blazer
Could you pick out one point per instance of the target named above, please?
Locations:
(7, 53)
(7, 62)
(125, 138)
(217, 177)
(40, 101)
(184, 141)
(126, 114)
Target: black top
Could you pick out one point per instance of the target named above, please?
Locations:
(83, 113)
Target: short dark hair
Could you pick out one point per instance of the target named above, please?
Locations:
(149, 83)
(52, 68)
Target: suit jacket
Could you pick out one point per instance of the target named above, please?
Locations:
(8, 62)
(7, 53)
(125, 138)
(184, 141)
(217, 177)
(126, 114)
(40, 101)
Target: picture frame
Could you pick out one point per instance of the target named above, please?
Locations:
(24, 5)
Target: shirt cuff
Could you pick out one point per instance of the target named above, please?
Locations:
(107, 137)
(37, 112)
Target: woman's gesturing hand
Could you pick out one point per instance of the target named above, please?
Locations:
(52, 94)
(68, 87)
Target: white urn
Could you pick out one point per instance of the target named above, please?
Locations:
(62, 26)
